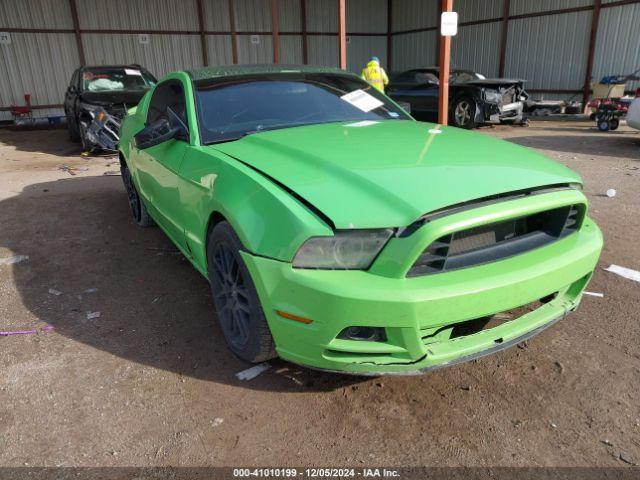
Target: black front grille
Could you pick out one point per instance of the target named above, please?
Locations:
(496, 241)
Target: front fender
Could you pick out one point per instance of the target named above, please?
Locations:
(268, 220)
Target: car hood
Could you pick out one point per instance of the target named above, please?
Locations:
(106, 98)
(389, 173)
(499, 82)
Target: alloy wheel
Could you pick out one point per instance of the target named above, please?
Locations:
(463, 112)
(231, 296)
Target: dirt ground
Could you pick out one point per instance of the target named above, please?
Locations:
(150, 382)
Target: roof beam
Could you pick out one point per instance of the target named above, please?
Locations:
(76, 31)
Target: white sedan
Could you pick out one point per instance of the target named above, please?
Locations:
(633, 115)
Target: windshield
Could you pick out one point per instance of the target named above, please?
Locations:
(463, 76)
(232, 108)
(114, 79)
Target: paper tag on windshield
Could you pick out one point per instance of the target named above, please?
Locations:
(362, 100)
(364, 123)
(129, 71)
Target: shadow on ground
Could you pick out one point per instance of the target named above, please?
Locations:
(155, 308)
(53, 142)
(613, 144)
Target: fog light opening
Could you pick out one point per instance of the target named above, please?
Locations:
(366, 334)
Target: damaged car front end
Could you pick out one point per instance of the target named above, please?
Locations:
(504, 101)
(99, 128)
(97, 100)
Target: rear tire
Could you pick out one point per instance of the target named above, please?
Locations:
(238, 307)
(614, 124)
(139, 211)
(463, 113)
(72, 127)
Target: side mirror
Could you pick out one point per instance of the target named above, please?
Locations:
(406, 106)
(72, 89)
(162, 130)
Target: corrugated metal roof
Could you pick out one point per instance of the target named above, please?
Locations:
(289, 15)
(477, 47)
(322, 16)
(253, 15)
(414, 50)
(35, 14)
(37, 63)
(367, 16)
(219, 49)
(249, 52)
(473, 10)
(615, 53)
(549, 51)
(291, 49)
(215, 14)
(163, 53)
(411, 14)
(361, 49)
(138, 14)
(519, 7)
(323, 51)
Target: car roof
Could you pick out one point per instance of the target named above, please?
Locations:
(240, 70)
(130, 65)
(437, 69)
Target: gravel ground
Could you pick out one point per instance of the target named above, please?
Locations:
(150, 382)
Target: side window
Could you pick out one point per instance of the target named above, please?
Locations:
(169, 94)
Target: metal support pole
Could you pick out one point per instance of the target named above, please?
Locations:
(389, 36)
(275, 31)
(503, 36)
(76, 29)
(595, 21)
(342, 33)
(445, 65)
(303, 22)
(234, 35)
(203, 38)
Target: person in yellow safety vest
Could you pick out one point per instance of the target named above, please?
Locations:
(375, 74)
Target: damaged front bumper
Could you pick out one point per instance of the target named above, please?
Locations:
(100, 130)
(422, 317)
(511, 112)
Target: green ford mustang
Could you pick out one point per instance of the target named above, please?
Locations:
(338, 233)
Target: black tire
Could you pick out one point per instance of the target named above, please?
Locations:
(463, 113)
(238, 307)
(603, 125)
(72, 127)
(614, 124)
(138, 209)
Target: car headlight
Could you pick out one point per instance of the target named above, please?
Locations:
(90, 107)
(576, 186)
(345, 250)
(492, 96)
